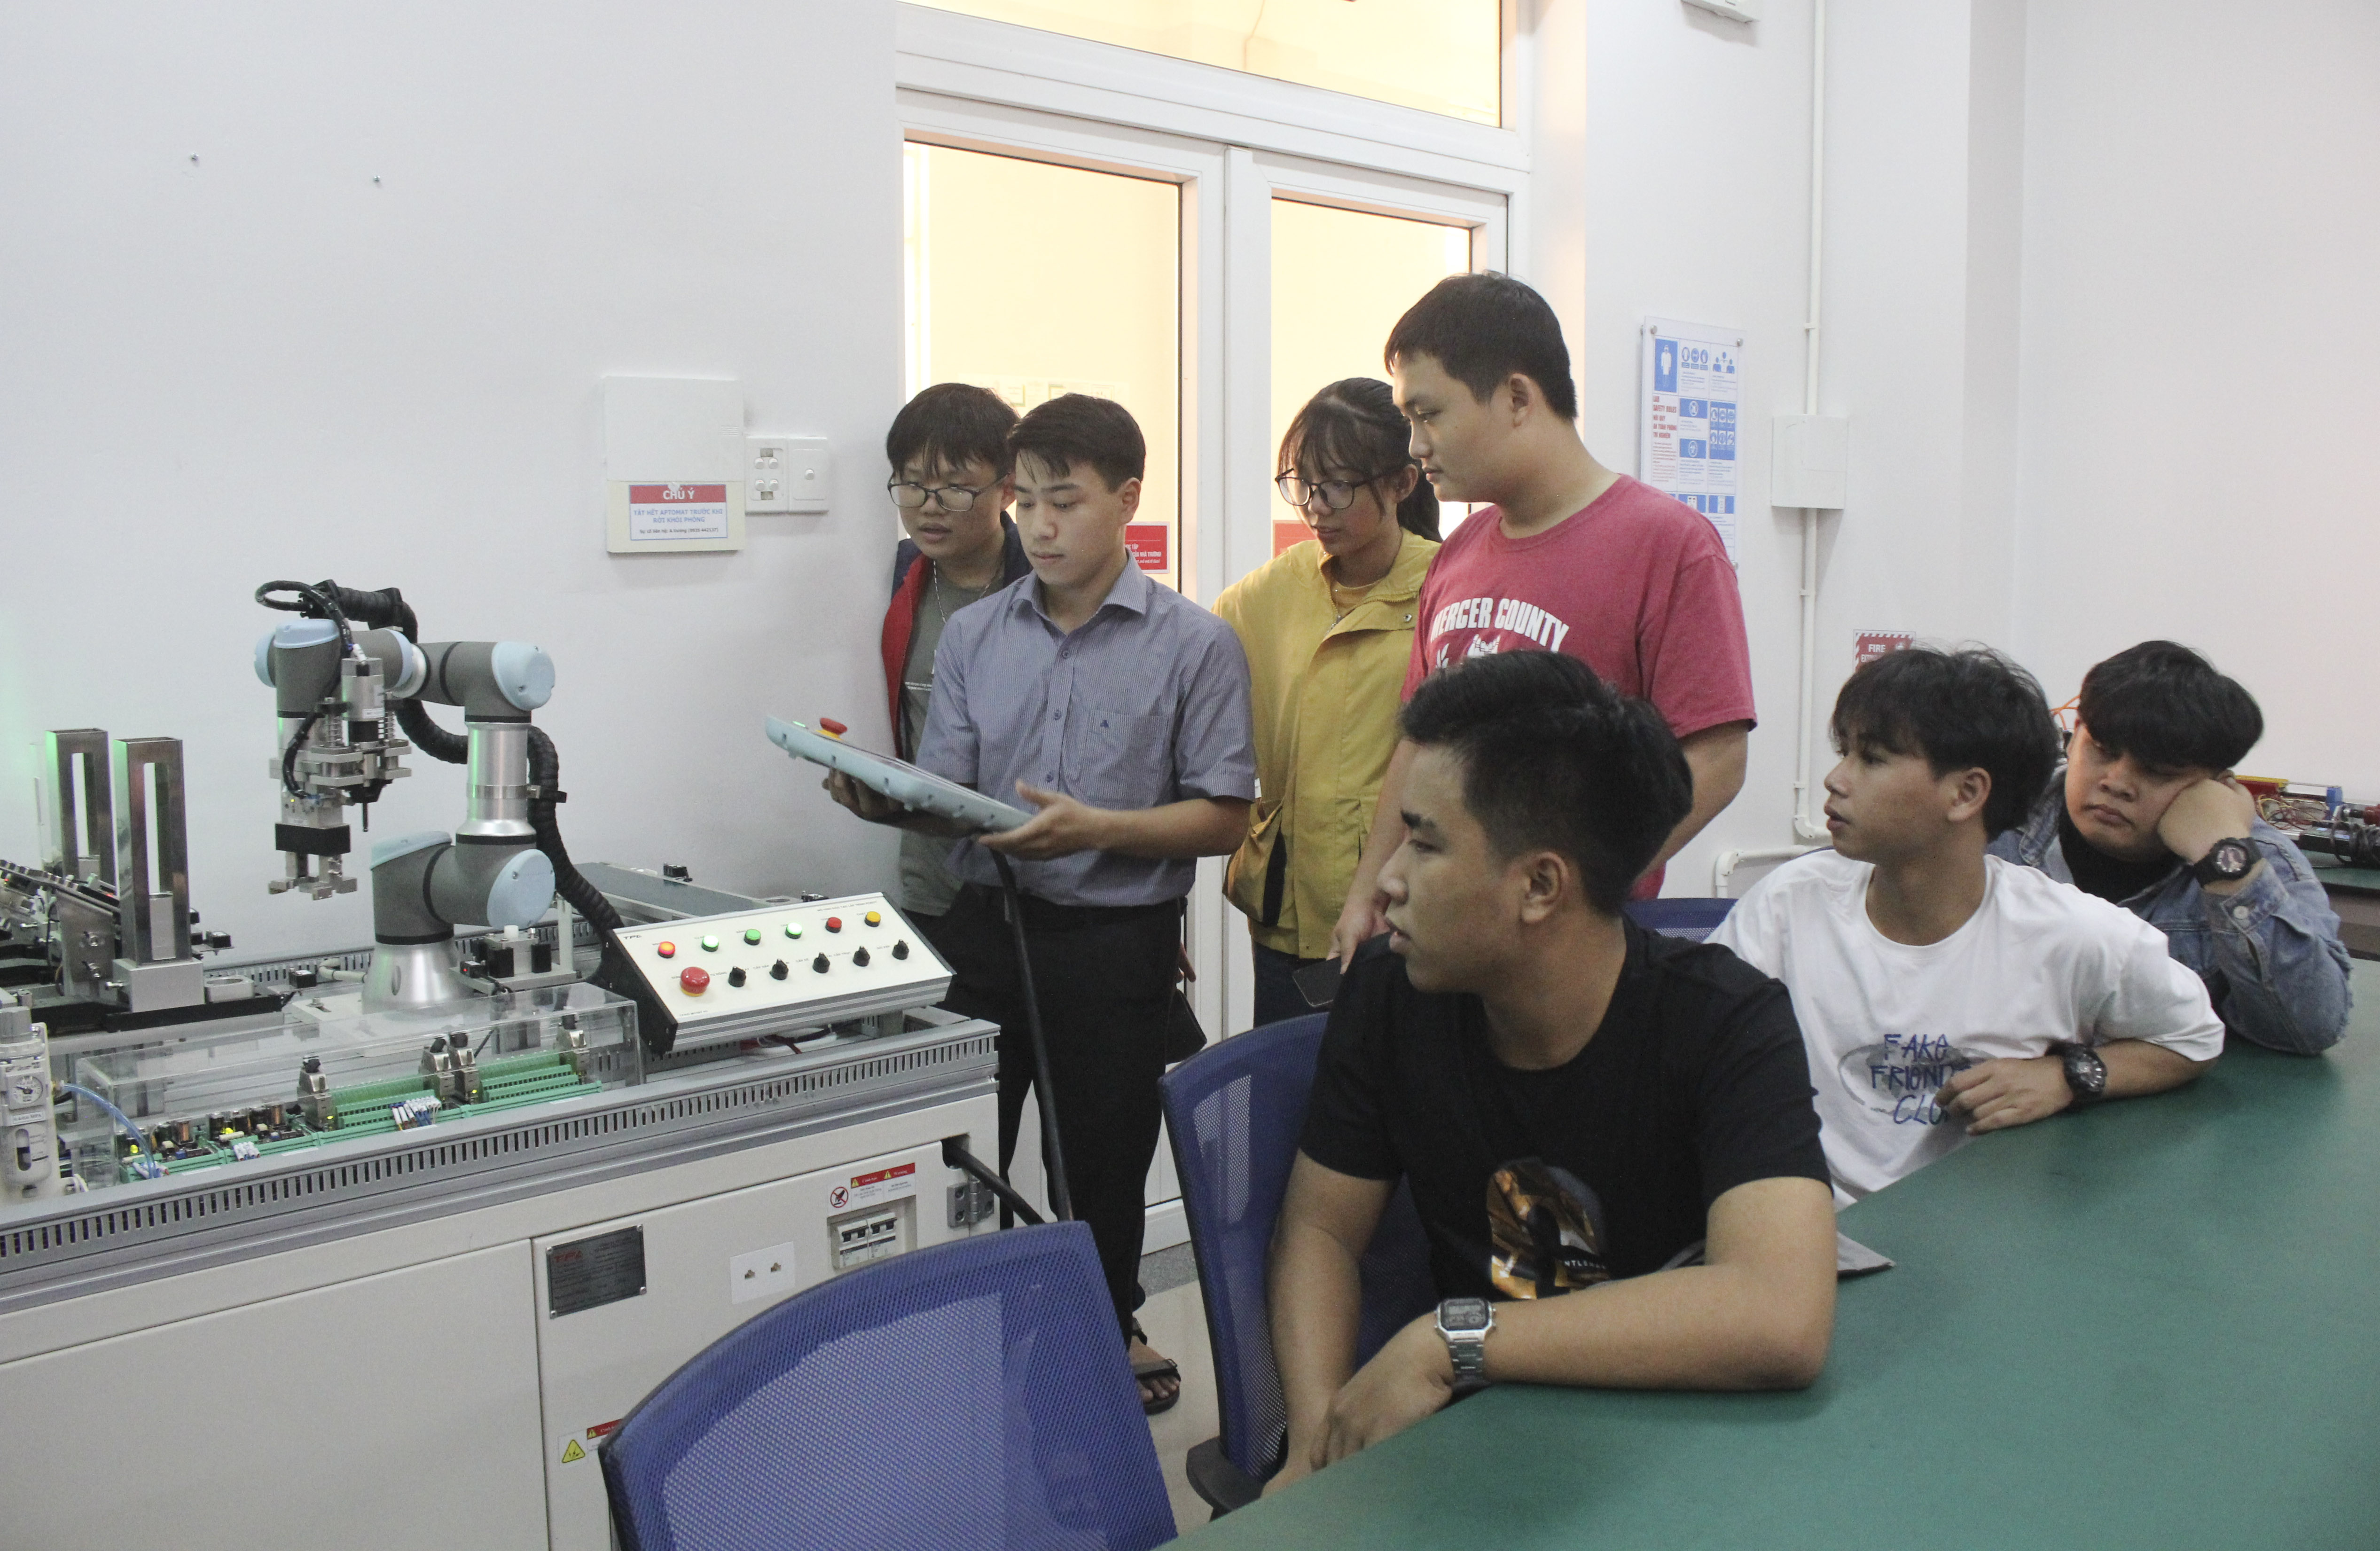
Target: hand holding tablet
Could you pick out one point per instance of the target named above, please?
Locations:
(902, 783)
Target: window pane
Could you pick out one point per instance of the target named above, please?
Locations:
(1341, 280)
(1033, 280)
(1440, 55)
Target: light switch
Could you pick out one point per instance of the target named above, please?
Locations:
(787, 473)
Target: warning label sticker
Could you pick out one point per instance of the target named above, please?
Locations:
(677, 510)
(572, 1453)
(883, 1184)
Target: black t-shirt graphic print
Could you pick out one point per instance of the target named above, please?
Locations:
(1694, 1082)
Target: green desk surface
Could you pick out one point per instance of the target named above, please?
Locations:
(2153, 1326)
(2355, 881)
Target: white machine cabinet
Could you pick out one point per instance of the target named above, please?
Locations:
(423, 1344)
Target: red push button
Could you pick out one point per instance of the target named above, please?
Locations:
(834, 923)
(695, 978)
(833, 728)
(666, 950)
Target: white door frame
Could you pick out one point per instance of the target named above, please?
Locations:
(1233, 143)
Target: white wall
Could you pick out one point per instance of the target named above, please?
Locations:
(1696, 152)
(2200, 325)
(263, 364)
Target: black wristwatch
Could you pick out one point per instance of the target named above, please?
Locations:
(1465, 1323)
(2086, 1074)
(2227, 862)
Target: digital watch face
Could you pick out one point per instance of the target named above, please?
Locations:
(1464, 1313)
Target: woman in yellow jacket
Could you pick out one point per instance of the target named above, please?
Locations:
(1328, 627)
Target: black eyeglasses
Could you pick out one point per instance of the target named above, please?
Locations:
(911, 497)
(1337, 494)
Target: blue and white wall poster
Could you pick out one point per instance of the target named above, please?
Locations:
(1689, 393)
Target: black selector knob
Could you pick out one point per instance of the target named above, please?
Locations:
(735, 977)
(818, 964)
(860, 958)
(777, 970)
(901, 948)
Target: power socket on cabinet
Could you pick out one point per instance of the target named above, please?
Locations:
(767, 1273)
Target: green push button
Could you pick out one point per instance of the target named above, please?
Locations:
(752, 935)
(793, 928)
(711, 945)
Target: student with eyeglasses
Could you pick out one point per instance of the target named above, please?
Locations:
(953, 479)
(1328, 627)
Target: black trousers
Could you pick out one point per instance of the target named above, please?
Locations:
(1104, 979)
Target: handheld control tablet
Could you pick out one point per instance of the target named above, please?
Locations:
(905, 784)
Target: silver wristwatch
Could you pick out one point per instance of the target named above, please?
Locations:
(1465, 1323)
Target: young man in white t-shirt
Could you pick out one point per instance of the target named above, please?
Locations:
(1944, 993)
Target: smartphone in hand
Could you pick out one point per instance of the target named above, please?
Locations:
(1317, 983)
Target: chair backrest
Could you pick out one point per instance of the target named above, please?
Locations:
(970, 1395)
(1233, 1112)
(1692, 918)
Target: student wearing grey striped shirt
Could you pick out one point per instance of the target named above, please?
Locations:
(1118, 710)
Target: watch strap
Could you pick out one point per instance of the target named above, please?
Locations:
(2086, 1074)
(2227, 861)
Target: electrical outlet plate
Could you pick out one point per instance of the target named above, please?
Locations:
(786, 473)
(767, 1273)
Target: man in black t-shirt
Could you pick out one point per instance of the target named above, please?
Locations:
(1576, 1103)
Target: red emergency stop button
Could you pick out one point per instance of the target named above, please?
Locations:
(833, 728)
(695, 979)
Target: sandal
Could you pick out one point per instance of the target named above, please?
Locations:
(1155, 1367)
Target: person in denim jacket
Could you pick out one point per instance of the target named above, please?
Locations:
(2145, 813)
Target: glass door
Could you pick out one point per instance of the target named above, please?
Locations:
(1340, 279)
(1034, 280)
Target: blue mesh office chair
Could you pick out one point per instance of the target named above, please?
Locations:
(973, 1394)
(1694, 919)
(1233, 1112)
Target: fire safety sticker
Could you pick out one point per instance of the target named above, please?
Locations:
(883, 1184)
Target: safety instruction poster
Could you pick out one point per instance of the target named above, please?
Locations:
(1689, 399)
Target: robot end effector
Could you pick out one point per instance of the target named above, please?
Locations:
(339, 691)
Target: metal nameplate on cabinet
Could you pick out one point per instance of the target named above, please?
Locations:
(588, 1273)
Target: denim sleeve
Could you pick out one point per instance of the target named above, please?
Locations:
(2276, 943)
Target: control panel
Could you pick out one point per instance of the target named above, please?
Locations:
(782, 968)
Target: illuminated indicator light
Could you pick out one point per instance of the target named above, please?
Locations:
(834, 923)
(832, 728)
(711, 945)
(873, 918)
(793, 928)
(695, 979)
(752, 935)
(666, 950)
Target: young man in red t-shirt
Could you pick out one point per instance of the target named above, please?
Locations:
(1572, 557)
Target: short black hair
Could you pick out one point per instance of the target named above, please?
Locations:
(1353, 425)
(1956, 710)
(1076, 428)
(2166, 705)
(1554, 758)
(1481, 329)
(953, 424)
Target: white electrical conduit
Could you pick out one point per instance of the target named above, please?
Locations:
(1808, 834)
